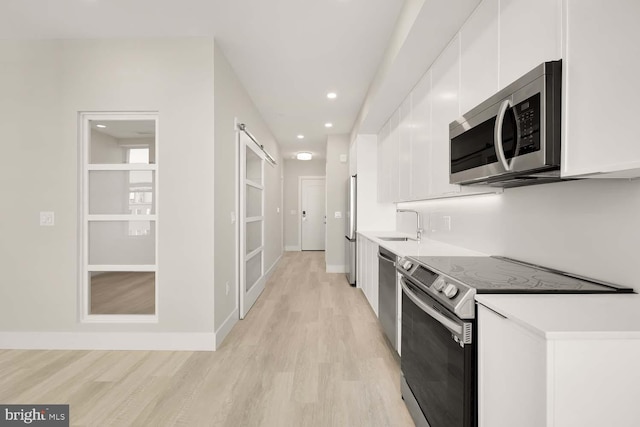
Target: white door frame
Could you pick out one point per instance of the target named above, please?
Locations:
(300, 179)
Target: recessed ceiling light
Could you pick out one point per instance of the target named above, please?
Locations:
(304, 156)
(328, 125)
(101, 126)
(332, 95)
(300, 136)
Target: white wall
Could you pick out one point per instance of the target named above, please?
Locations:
(337, 176)
(44, 84)
(105, 147)
(588, 227)
(293, 169)
(232, 101)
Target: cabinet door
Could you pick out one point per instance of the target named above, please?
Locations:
(421, 138)
(360, 268)
(601, 91)
(404, 150)
(445, 109)
(524, 47)
(373, 275)
(383, 164)
(392, 157)
(479, 56)
(512, 373)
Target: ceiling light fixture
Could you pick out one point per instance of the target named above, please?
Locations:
(300, 136)
(304, 156)
(332, 95)
(328, 125)
(101, 126)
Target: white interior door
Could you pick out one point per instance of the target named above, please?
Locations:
(312, 214)
(251, 224)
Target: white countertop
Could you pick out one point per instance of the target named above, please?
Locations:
(426, 247)
(562, 317)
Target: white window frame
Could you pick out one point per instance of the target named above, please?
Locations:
(84, 138)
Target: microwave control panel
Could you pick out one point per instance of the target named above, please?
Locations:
(527, 114)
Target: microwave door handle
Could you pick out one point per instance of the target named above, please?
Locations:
(447, 323)
(497, 134)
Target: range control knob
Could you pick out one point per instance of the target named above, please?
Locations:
(438, 285)
(407, 265)
(451, 291)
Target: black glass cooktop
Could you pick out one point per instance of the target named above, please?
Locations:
(504, 275)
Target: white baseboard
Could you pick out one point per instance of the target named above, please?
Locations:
(165, 341)
(226, 327)
(271, 269)
(295, 248)
(336, 268)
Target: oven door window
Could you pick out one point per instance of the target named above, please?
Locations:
(438, 370)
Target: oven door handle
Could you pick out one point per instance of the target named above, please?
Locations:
(447, 323)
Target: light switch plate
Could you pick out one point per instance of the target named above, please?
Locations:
(343, 158)
(337, 215)
(47, 219)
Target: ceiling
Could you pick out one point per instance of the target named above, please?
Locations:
(288, 53)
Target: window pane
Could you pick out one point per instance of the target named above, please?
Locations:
(121, 192)
(253, 270)
(122, 292)
(122, 243)
(254, 201)
(122, 141)
(254, 167)
(254, 235)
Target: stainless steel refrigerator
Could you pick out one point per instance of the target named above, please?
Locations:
(350, 232)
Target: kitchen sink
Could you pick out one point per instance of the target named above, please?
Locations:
(396, 239)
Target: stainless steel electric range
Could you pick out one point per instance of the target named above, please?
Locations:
(439, 354)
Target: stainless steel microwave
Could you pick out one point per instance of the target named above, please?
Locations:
(513, 138)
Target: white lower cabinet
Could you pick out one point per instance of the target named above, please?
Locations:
(526, 380)
(367, 270)
(511, 373)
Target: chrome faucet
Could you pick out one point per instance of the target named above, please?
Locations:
(418, 222)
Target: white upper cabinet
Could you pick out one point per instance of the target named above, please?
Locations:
(383, 164)
(530, 34)
(501, 41)
(445, 109)
(601, 70)
(421, 138)
(392, 157)
(388, 159)
(404, 151)
(479, 56)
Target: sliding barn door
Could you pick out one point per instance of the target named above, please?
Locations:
(251, 223)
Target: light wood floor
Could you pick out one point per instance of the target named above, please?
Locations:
(310, 353)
